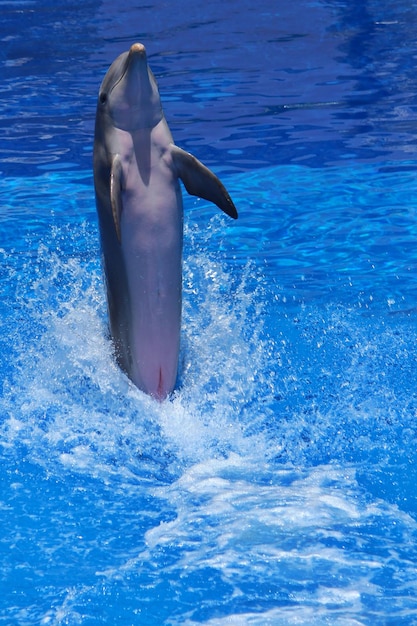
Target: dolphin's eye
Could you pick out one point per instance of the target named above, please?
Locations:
(103, 97)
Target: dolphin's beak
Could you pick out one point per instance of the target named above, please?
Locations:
(137, 61)
(138, 88)
(137, 52)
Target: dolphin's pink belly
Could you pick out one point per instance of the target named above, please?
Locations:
(152, 249)
(155, 328)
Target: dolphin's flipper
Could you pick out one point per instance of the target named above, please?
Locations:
(200, 181)
(116, 193)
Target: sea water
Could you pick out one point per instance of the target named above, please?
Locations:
(277, 485)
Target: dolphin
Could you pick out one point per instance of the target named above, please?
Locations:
(137, 168)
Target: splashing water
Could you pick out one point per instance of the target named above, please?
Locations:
(73, 400)
(275, 486)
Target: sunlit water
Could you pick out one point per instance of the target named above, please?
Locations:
(277, 485)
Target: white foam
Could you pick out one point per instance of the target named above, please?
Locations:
(291, 532)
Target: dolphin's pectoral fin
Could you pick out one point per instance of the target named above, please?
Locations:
(116, 193)
(200, 181)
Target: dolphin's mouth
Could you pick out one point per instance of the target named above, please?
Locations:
(137, 53)
(132, 101)
(136, 50)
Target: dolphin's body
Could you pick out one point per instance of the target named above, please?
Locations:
(139, 205)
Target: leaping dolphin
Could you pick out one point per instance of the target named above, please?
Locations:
(139, 206)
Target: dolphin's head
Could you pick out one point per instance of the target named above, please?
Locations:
(129, 96)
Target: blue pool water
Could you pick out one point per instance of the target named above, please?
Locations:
(278, 486)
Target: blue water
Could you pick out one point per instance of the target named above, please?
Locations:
(278, 486)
